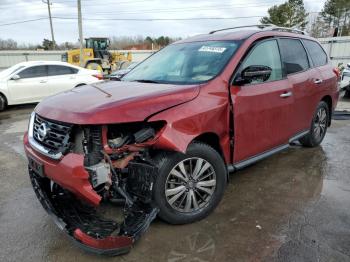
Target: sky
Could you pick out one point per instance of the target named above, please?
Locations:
(129, 18)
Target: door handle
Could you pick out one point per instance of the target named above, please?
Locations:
(318, 81)
(286, 94)
(42, 81)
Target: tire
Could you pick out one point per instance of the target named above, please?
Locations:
(347, 94)
(3, 103)
(318, 126)
(178, 211)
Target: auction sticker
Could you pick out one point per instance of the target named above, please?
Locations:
(212, 49)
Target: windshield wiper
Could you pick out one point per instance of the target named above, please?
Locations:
(146, 81)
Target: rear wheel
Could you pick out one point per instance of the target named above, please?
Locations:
(3, 102)
(189, 186)
(318, 127)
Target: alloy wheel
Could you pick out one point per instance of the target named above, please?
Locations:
(190, 185)
(320, 124)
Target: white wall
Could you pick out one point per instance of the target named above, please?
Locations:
(338, 49)
(10, 58)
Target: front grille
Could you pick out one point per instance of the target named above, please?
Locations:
(54, 136)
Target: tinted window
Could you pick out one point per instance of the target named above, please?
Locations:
(34, 71)
(294, 56)
(266, 54)
(318, 56)
(55, 70)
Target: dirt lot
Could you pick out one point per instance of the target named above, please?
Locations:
(294, 206)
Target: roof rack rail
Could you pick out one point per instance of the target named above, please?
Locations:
(287, 29)
(271, 27)
(261, 26)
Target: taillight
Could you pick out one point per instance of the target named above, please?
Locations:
(98, 76)
(337, 72)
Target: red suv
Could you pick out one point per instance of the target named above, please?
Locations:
(164, 139)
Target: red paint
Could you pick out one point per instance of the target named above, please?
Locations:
(69, 172)
(129, 102)
(117, 242)
(261, 119)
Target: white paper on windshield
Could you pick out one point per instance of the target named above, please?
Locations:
(212, 49)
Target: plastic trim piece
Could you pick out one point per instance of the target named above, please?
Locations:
(35, 145)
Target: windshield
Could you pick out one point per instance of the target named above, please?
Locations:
(186, 63)
(132, 65)
(10, 70)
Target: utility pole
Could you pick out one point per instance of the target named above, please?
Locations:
(80, 25)
(51, 27)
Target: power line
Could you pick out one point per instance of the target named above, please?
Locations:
(24, 21)
(133, 19)
(159, 19)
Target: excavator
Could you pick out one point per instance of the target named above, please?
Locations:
(97, 56)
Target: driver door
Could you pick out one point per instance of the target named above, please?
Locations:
(263, 109)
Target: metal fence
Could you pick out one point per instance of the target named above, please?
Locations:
(338, 49)
(10, 58)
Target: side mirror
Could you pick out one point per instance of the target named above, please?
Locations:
(15, 77)
(253, 73)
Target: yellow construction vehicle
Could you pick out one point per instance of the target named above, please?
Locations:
(97, 56)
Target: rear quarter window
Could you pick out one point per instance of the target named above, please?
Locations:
(55, 70)
(318, 56)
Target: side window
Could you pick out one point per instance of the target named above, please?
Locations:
(34, 71)
(266, 54)
(294, 56)
(318, 56)
(55, 70)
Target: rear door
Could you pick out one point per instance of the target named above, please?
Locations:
(304, 80)
(263, 109)
(61, 78)
(326, 83)
(32, 85)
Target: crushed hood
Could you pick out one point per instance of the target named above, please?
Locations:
(114, 102)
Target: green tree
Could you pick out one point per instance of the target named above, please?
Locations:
(149, 40)
(336, 13)
(289, 14)
(47, 44)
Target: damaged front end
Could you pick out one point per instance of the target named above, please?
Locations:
(100, 190)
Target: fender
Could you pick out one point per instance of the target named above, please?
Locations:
(208, 113)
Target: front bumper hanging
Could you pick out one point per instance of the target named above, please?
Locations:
(84, 226)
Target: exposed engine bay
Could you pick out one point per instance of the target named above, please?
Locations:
(118, 159)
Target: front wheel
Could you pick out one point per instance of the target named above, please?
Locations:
(3, 103)
(318, 127)
(189, 186)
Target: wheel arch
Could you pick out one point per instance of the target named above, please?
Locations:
(328, 100)
(211, 139)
